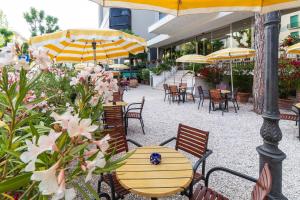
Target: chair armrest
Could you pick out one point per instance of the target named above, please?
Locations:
(104, 195)
(131, 110)
(133, 104)
(203, 158)
(134, 142)
(167, 141)
(230, 171)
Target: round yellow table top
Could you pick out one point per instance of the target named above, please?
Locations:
(171, 176)
(225, 91)
(297, 105)
(118, 103)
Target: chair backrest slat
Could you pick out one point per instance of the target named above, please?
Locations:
(173, 88)
(113, 115)
(192, 140)
(263, 185)
(166, 87)
(215, 95)
(117, 142)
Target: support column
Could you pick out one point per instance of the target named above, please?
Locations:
(270, 131)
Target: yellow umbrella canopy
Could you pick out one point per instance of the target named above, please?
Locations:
(184, 7)
(294, 49)
(231, 54)
(118, 66)
(78, 46)
(193, 58)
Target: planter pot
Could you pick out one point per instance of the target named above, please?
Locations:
(243, 97)
(285, 104)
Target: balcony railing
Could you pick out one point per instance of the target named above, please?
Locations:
(293, 25)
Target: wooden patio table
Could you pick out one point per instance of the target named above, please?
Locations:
(139, 176)
(118, 103)
(298, 107)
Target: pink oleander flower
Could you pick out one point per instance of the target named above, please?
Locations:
(103, 143)
(83, 127)
(48, 180)
(99, 161)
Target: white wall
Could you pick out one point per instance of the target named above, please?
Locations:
(141, 20)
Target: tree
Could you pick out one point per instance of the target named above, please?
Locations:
(258, 75)
(3, 20)
(5, 36)
(40, 23)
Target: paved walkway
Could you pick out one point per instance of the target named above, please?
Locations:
(233, 139)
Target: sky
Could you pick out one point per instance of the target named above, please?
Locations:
(70, 13)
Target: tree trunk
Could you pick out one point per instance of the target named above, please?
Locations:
(258, 78)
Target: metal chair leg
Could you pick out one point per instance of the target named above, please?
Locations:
(142, 124)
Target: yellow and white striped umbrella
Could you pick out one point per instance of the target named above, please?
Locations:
(77, 46)
(184, 7)
(294, 49)
(193, 58)
(231, 54)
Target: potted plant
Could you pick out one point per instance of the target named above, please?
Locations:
(145, 75)
(243, 80)
(287, 74)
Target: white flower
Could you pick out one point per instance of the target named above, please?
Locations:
(74, 81)
(94, 101)
(62, 192)
(8, 55)
(84, 127)
(103, 143)
(45, 143)
(63, 119)
(99, 161)
(48, 181)
(41, 58)
(30, 156)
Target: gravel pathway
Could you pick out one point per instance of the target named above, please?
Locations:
(233, 139)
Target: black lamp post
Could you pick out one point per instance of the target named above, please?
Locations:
(270, 131)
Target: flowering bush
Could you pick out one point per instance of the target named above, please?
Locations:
(44, 147)
(289, 76)
(212, 74)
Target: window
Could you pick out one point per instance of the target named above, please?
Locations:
(294, 21)
(295, 34)
(120, 19)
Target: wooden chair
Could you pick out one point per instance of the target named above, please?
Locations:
(215, 97)
(137, 114)
(202, 95)
(193, 141)
(167, 91)
(174, 93)
(113, 116)
(290, 117)
(118, 145)
(190, 91)
(233, 99)
(260, 191)
(182, 84)
(118, 96)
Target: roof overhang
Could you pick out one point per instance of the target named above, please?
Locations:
(175, 29)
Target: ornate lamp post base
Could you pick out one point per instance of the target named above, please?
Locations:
(270, 131)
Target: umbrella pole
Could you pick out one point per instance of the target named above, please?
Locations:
(231, 76)
(94, 44)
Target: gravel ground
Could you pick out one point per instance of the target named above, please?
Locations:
(233, 139)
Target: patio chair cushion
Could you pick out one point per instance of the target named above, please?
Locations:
(133, 115)
(119, 189)
(203, 193)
